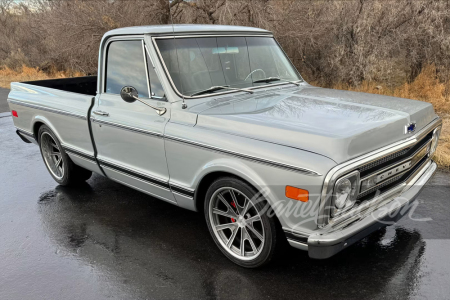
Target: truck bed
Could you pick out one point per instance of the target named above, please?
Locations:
(86, 85)
(61, 104)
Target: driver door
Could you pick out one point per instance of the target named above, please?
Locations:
(129, 136)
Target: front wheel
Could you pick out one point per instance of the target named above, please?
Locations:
(237, 218)
(59, 165)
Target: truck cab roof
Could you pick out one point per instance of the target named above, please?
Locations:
(185, 29)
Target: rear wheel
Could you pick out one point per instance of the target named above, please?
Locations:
(238, 222)
(59, 165)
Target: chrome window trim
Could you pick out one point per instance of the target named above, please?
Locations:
(146, 69)
(323, 217)
(153, 65)
(172, 84)
(103, 53)
(245, 156)
(52, 110)
(126, 127)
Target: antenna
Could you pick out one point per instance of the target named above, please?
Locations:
(183, 105)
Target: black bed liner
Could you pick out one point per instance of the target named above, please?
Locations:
(82, 85)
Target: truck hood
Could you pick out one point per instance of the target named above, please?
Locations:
(338, 124)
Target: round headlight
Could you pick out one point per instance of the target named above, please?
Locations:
(343, 189)
(434, 141)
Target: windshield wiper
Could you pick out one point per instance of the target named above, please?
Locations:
(270, 79)
(217, 88)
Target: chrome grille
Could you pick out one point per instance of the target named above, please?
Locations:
(393, 158)
(379, 187)
(384, 160)
(393, 181)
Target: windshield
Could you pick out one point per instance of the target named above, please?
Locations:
(197, 64)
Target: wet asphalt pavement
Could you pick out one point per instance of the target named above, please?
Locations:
(3, 103)
(106, 241)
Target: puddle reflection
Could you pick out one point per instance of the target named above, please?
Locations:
(159, 250)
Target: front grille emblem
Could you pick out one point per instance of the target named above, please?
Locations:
(410, 128)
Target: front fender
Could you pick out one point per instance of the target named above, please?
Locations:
(236, 168)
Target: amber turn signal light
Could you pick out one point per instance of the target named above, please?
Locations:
(297, 194)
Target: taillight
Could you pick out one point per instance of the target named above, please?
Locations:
(14, 113)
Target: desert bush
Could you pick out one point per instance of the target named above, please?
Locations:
(426, 87)
(391, 47)
(25, 73)
(329, 41)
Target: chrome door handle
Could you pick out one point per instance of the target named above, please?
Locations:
(101, 113)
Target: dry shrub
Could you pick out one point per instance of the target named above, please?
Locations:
(386, 41)
(442, 156)
(25, 73)
(391, 47)
(426, 87)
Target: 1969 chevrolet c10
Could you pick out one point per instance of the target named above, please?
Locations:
(217, 119)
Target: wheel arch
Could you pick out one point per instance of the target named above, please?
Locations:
(37, 123)
(251, 178)
(227, 168)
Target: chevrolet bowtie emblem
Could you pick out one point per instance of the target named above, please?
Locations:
(410, 128)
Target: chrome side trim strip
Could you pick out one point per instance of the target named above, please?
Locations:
(25, 132)
(52, 110)
(182, 190)
(244, 156)
(158, 182)
(136, 175)
(346, 167)
(125, 127)
(79, 153)
(181, 194)
(144, 191)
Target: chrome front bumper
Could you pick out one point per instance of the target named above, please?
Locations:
(395, 204)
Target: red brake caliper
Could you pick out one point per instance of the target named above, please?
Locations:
(234, 205)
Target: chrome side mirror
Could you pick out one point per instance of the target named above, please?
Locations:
(130, 94)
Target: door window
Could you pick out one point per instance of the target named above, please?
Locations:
(156, 89)
(125, 66)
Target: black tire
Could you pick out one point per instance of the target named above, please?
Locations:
(267, 224)
(66, 173)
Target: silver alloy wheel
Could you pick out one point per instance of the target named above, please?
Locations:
(236, 223)
(52, 155)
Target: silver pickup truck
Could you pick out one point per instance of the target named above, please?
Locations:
(216, 119)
